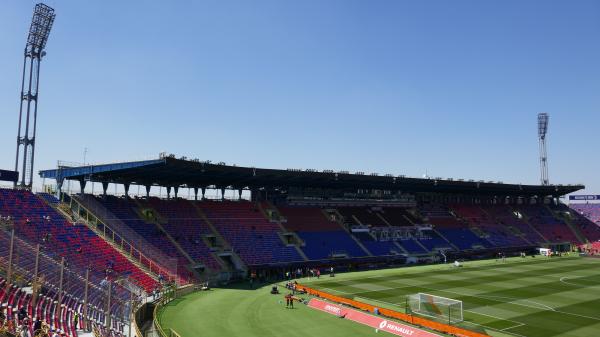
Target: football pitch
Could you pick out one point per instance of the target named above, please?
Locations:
(533, 297)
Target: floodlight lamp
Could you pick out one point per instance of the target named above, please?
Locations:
(543, 119)
(41, 24)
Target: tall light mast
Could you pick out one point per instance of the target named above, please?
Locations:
(543, 119)
(41, 24)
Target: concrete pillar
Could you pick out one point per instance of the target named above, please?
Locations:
(196, 193)
(59, 185)
(240, 193)
(176, 189)
(168, 192)
(222, 193)
(148, 191)
(126, 185)
(82, 184)
(104, 188)
(203, 192)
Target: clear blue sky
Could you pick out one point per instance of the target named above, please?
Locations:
(403, 87)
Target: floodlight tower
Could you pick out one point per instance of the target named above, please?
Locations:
(41, 24)
(543, 119)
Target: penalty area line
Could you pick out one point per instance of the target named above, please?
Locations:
(512, 327)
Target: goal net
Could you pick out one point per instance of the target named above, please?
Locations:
(443, 309)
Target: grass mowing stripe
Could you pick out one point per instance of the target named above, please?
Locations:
(507, 275)
(533, 298)
(433, 270)
(492, 316)
(513, 327)
(577, 279)
(512, 301)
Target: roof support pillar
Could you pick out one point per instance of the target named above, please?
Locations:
(203, 192)
(168, 192)
(104, 187)
(240, 193)
(126, 185)
(176, 189)
(196, 193)
(82, 184)
(222, 193)
(148, 187)
(59, 184)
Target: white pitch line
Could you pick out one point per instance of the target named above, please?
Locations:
(523, 305)
(562, 280)
(514, 301)
(518, 324)
(512, 327)
(488, 327)
(492, 316)
(565, 278)
(492, 298)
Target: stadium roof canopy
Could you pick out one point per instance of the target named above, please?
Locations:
(169, 171)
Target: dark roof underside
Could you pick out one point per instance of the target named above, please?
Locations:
(177, 172)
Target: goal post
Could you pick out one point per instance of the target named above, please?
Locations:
(440, 308)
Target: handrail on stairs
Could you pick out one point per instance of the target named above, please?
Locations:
(109, 234)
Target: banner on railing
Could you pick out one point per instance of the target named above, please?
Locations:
(387, 313)
(380, 324)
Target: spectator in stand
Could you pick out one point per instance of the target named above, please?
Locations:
(110, 264)
(76, 320)
(10, 324)
(46, 237)
(37, 325)
(25, 331)
(22, 314)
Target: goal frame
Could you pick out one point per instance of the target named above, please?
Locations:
(450, 307)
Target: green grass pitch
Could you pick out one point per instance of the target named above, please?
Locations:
(533, 297)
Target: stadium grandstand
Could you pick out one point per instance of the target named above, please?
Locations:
(178, 247)
(112, 252)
